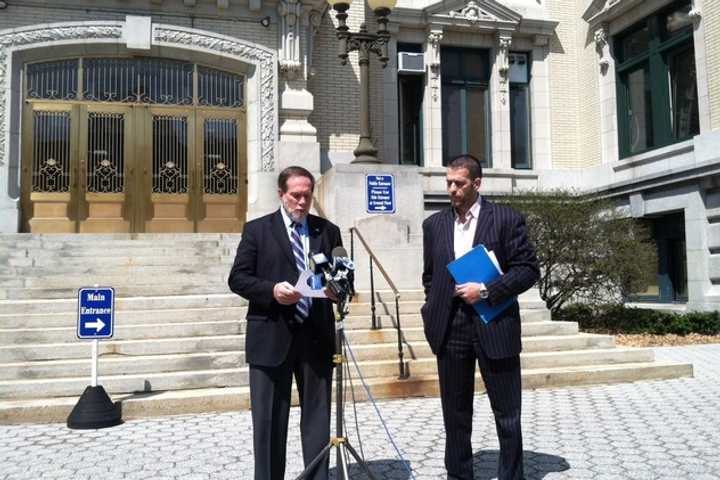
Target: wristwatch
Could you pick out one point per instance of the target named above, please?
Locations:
(483, 292)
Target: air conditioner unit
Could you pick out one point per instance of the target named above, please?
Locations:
(409, 62)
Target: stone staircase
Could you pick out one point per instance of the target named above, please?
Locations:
(178, 344)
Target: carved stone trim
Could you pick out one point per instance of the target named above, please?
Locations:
(472, 13)
(434, 39)
(290, 12)
(601, 46)
(264, 59)
(695, 14)
(504, 44)
(314, 21)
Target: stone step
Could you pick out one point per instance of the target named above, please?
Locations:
(120, 280)
(33, 264)
(111, 364)
(79, 350)
(213, 343)
(389, 297)
(135, 383)
(67, 319)
(219, 286)
(120, 365)
(529, 299)
(416, 334)
(111, 250)
(115, 378)
(56, 410)
(122, 332)
(538, 378)
(125, 317)
(123, 272)
(123, 303)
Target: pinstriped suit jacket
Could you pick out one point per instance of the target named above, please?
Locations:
(502, 230)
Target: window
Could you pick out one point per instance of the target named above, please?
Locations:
(657, 93)
(134, 80)
(465, 103)
(671, 284)
(411, 89)
(520, 111)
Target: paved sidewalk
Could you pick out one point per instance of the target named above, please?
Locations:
(647, 430)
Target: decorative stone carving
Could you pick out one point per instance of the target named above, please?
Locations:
(434, 39)
(314, 20)
(601, 44)
(695, 14)
(25, 37)
(289, 53)
(504, 44)
(472, 13)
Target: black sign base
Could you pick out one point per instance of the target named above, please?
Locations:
(94, 410)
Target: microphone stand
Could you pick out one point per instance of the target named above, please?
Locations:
(339, 441)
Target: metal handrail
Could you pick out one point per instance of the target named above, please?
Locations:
(404, 371)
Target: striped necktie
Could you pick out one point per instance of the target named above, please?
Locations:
(302, 307)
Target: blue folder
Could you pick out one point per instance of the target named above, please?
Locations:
(477, 266)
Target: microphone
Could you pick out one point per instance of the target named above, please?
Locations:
(319, 263)
(338, 275)
(341, 260)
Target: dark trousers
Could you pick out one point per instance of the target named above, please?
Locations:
(456, 369)
(270, 403)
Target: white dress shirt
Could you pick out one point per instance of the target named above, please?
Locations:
(465, 230)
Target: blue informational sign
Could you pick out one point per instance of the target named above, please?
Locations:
(96, 312)
(380, 193)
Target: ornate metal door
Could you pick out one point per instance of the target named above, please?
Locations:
(50, 168)
(130, 146)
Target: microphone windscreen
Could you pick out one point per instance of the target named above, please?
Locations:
(339, 252)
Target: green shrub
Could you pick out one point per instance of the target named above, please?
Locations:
(621, 319)
(587, 249)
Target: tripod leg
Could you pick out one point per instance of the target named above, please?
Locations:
(342, 464)
(359, 461)
(318, 458)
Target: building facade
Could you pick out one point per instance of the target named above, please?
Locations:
(176, 115)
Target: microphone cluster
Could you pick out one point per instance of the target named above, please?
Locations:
(338, 275)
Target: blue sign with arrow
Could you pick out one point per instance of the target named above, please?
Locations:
(380, 193)
(96, 312)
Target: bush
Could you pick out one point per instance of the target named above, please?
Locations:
(621, 319)
(588, 250)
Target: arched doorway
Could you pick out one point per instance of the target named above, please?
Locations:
(133, 144)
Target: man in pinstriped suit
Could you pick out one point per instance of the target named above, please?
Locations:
(457, 336)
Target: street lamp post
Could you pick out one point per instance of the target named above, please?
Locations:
(365, 43)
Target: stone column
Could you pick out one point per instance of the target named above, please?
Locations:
(297, 26)
(500, 102)
(9, 171)
(608, 96)
(702, 65)
(540, 104)
(432, 104)
(298, 138)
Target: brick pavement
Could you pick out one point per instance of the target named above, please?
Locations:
(646, 430)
